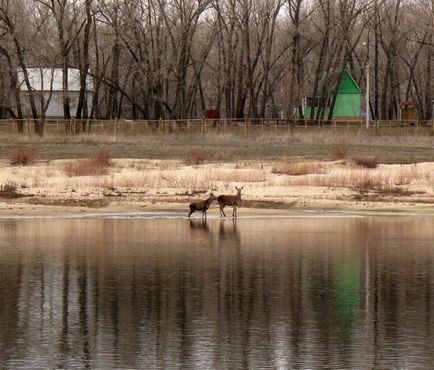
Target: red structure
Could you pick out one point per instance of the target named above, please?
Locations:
(212, 114)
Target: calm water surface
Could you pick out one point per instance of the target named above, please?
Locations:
(257, 293)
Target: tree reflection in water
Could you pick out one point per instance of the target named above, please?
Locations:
(300, 292)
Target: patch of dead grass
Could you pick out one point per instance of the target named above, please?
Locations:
(197, 156)
(367, 162)
(23, 156)
(97, 165)
(298, 168)
(340, 150)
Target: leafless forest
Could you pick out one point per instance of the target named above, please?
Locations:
(246, 58)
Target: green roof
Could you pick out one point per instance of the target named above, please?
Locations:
(347, 85)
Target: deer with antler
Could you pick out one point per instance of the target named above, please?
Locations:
(202, 205)
(230, 200)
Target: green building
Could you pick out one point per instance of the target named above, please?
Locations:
(347, 100)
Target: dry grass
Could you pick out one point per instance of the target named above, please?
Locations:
(168, 178)
(406, 176)
(97, 165)
(360, 179)
(340, 150)
(196, 156)
(396, 146)
(8, 187)
(23, 156)
(367, 162)
(298, 168)
(102, 157)
(9, 190)
(223, 156)
(235, 175)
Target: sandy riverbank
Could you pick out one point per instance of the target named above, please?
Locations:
(136, 185)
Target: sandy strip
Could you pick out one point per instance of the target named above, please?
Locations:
(278, 187)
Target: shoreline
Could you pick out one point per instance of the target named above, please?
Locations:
(180, 211)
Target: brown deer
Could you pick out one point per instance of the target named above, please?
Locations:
(230, 200)
(202, 205)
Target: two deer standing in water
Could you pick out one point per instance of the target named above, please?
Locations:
(223, 200)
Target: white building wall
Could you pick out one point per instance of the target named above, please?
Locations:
(55, 106)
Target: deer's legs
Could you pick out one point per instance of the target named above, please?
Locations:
(192, 209)
(222, 213)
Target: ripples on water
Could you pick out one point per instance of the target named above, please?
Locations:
(290, 293)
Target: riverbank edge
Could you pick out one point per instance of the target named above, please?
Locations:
(179, 209)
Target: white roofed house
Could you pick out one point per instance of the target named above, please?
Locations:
(47, 91)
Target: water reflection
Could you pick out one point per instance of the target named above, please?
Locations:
(354, 292)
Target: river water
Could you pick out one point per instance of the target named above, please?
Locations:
(307, 291)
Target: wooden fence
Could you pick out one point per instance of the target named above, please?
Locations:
(133, 127)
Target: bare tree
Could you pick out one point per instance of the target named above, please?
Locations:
(83, 58)
(64, 15)
(13, 29)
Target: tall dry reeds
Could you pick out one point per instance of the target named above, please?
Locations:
(340, 150)
(23, 155)
(354, 180)
(298, 168)
(98, 164)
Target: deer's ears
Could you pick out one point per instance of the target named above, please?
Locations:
(242, 187)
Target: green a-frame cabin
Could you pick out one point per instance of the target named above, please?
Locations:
(347, 103)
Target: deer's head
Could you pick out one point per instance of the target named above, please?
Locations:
(239, 190)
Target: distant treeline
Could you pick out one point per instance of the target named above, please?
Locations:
(175, 59)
